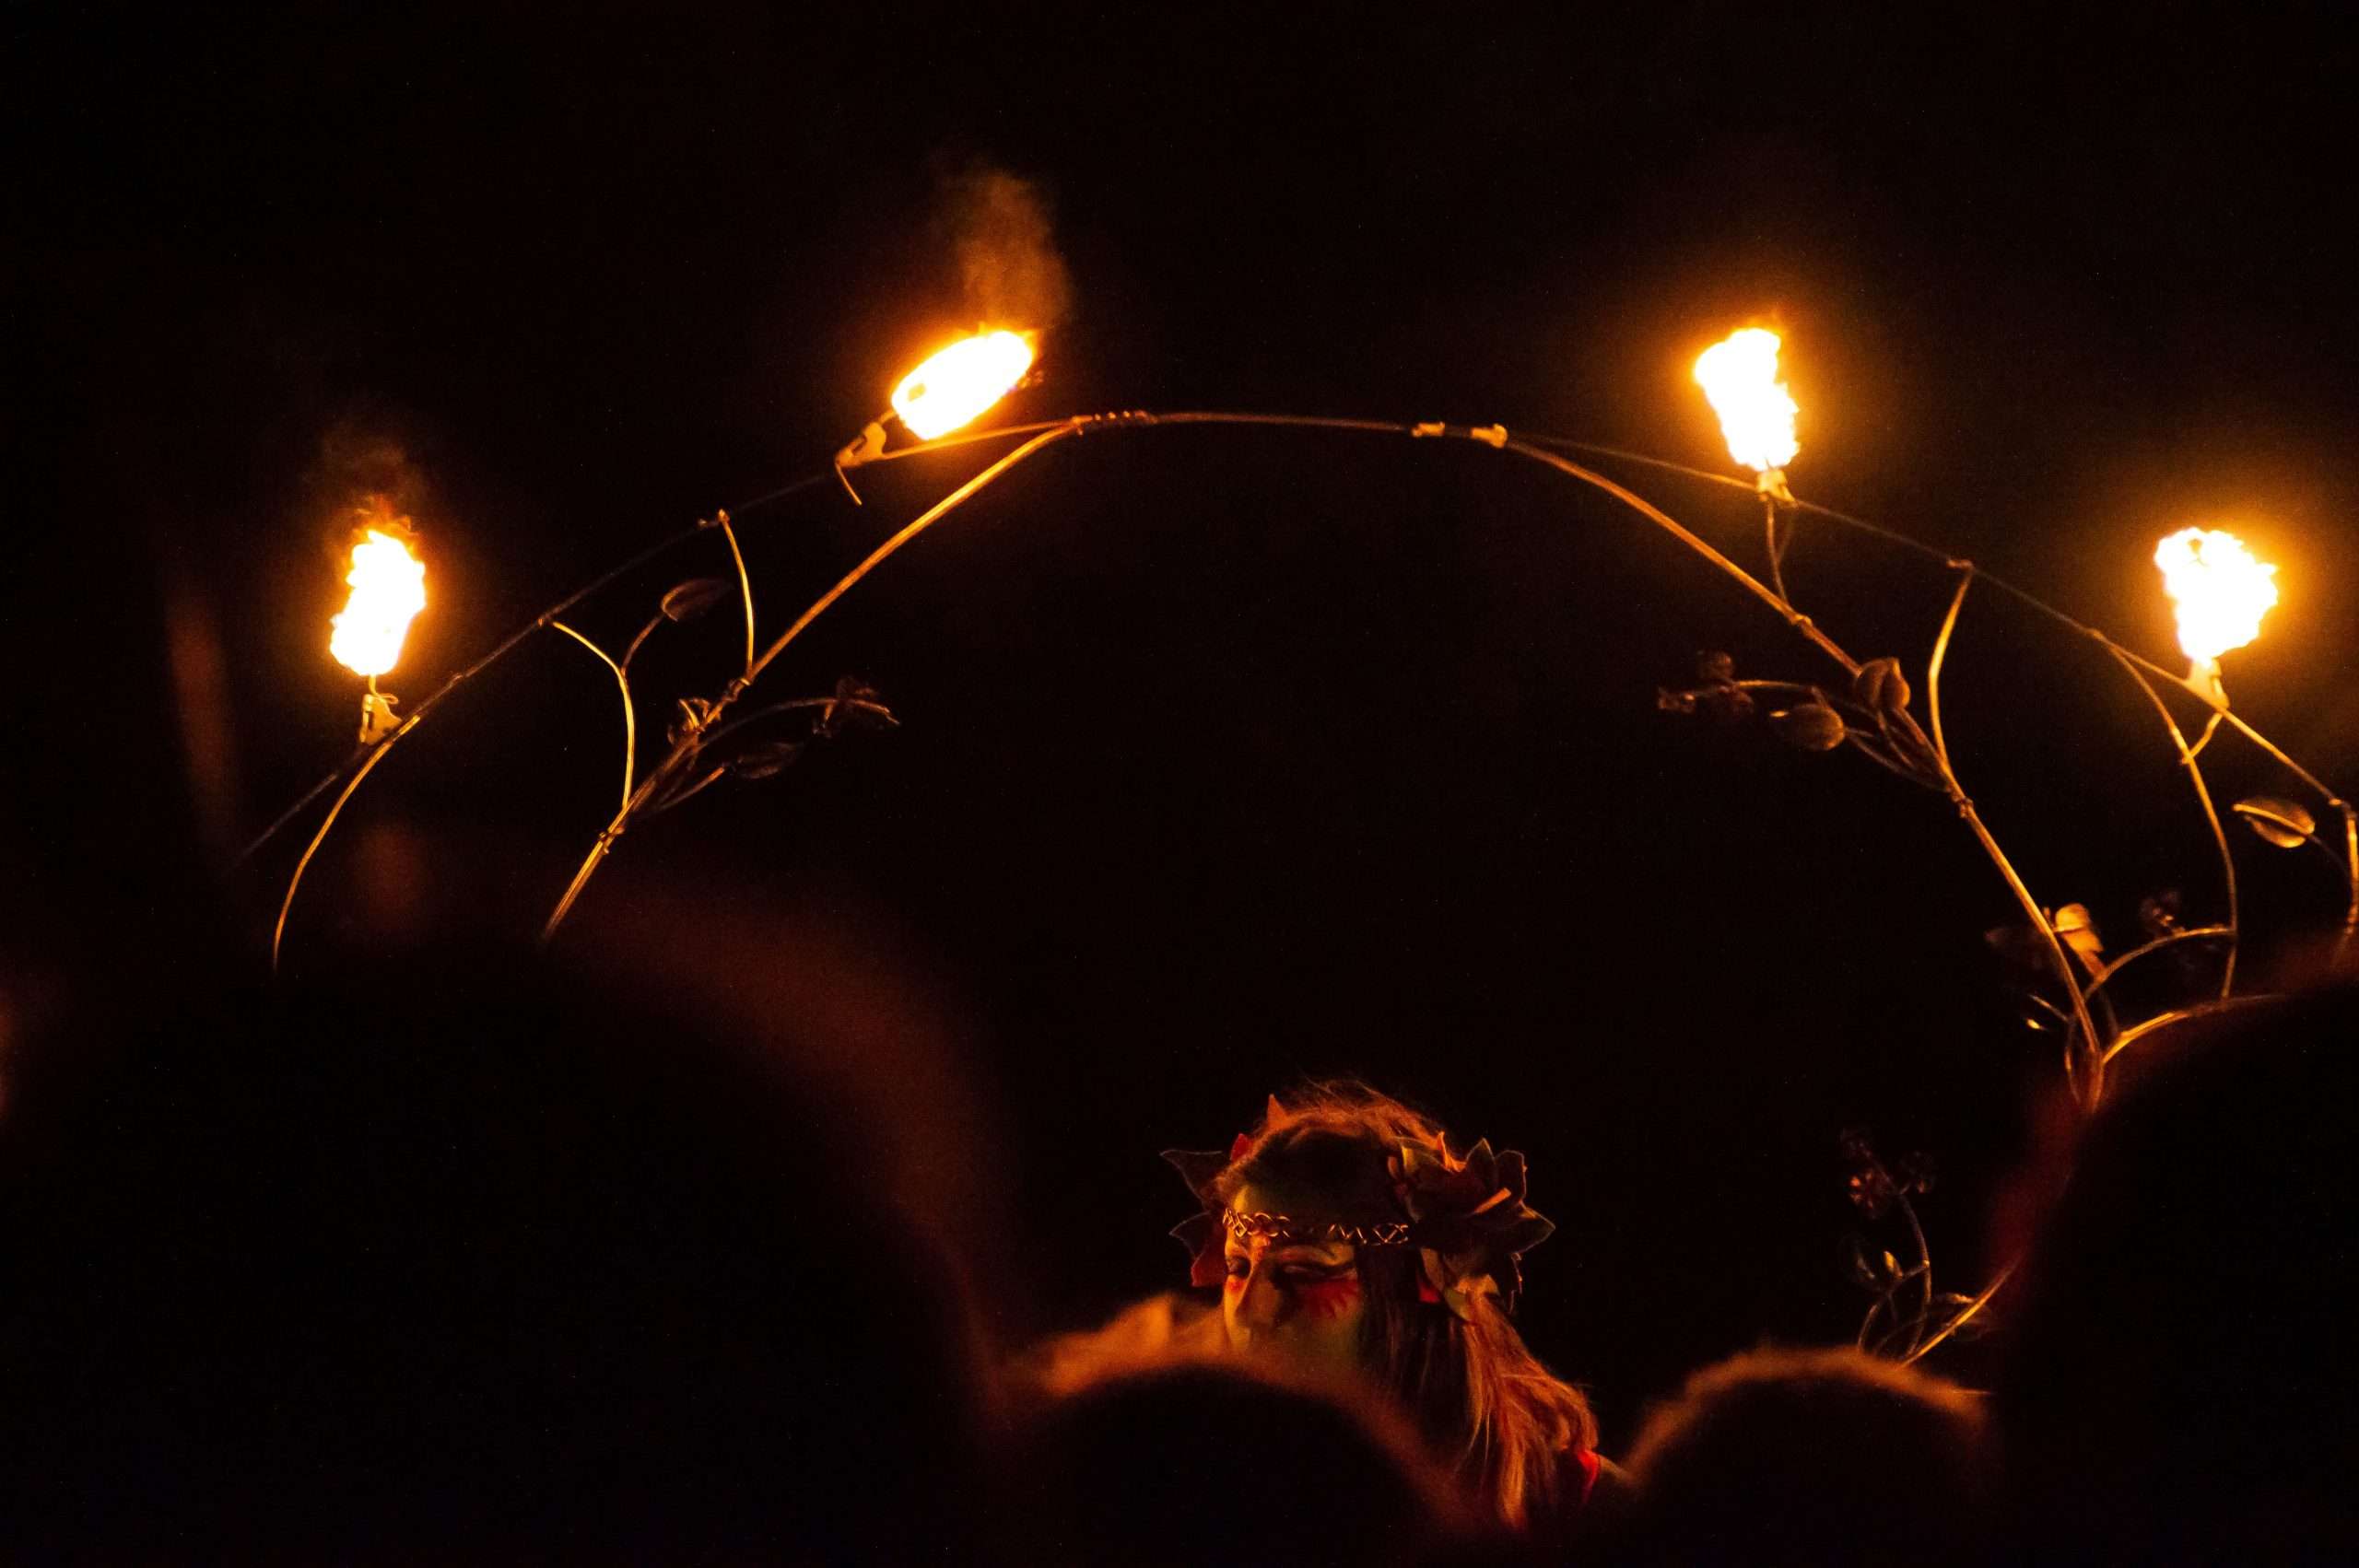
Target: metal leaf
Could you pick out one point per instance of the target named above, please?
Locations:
(767, 760)
(694, 597)
(1725, 705)
(1880, 685)
(2158, 916)
(1875, 1270)
(854, 706)
(2078, 930)
(2020, 946)
(2287, 823)
(1812, 726)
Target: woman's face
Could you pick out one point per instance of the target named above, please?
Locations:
(1297, 1299)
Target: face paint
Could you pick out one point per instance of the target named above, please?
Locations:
(1329, 1298)
(1302, 1302)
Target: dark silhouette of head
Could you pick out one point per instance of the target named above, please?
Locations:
(2178, 1383)
(487, 1263)
(1189, 1461)
(1816, 1456)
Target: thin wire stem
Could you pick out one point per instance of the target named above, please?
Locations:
(644, 633)
(1881, 758)
(745, 587)
(1959, 1318)
(2350, 917)
(1934, 666)
(630, 710)
(683, 796)
(1776, 555)
(2211, 728)
(743, 719)
(2211, 815)
(2138, 1032)
(2105, 974)
(1925, 1262)
(278, 932)
(1665, 465)
(2351, 843)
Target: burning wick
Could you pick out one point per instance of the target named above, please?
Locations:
(1739, 376)
(951, 390)
(2220, 593)
(388, 590)
(958, 385)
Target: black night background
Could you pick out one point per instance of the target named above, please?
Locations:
(1226, 756)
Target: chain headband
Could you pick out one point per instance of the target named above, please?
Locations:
(1286, 1231)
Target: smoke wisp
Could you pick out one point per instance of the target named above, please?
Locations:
(1005, 246)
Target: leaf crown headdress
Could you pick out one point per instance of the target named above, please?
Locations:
(1465, 1213)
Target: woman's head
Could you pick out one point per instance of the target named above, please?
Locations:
(1344, 1233)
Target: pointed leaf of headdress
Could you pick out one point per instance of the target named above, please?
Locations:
(1192, 1232)
(1482, 1161)
(1511, 1174)
(1201, 1236)
(1197, 1168)
(1528, 1232)
(1241, 1147)
(1273, 1112)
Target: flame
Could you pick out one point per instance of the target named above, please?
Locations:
(388, 587)
(1739, 374)
(2219, 592)
(958, 385)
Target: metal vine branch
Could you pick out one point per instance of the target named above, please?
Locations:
(1870, 711)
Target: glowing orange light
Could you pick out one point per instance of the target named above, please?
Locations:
(1739, 375)
(958, 385)
(2218, 588)
(388, 589)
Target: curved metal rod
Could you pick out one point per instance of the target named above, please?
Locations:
(1924, 1262)
(278, 932)
(744, 589)
(2350, 917)
(2138, 1032)
(1775, 554)
(2211, 815)
(645, 632)
(969, 438)
(1489, 436)
(1958, 1320)
(743, 719)
(2193, 933)
(630, 710)
(1495, 437)
(1934, 666)
(689, 742)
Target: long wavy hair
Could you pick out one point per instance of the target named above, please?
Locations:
(1488, 1406)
